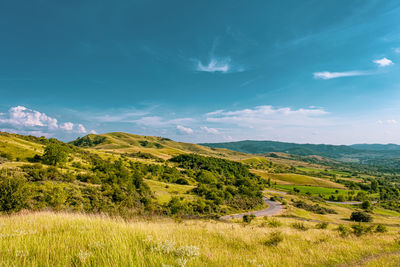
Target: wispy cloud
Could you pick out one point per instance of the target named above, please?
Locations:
(391, 121)
(159, 121)
(327, 75)
(214, 66)
(397, 50)
(267, 116)
(383, 62)
(209, 130)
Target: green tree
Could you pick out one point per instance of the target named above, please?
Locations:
(55, 154)
(374, 185)
(366, 205)
(360, 216)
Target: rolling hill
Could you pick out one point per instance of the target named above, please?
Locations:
(372, 154)
(157, 146)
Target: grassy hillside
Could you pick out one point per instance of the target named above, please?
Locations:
(157, 146)
(15, 147)
(297, 179)
(79, 240)
(156, 184)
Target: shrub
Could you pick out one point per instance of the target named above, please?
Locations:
(366, 205)
(343, 230)
(13, 192)
(274, 239)
(274, 223)
(314, 208)
(300, 226)
(359, 216)
(358, 229)
(247, 218)
(380, 228)
(322, 225)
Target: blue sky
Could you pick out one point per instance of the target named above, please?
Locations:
(202, 71)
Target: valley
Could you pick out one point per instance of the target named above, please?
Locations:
(152, 195)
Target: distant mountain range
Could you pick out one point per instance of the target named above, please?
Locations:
(363, 153)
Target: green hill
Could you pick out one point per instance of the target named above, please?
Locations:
(157, 146)
(381, 156)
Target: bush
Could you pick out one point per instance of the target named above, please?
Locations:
(366, 205)
(314, 208)
(247, 218)
(274, 223)
(343, 230)
(274, 239)
(358, 229)
(380, 228)
(322, 225)
(13, 193)
(300, 226)
(359, 216)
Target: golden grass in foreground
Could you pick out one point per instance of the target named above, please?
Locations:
(48, 239)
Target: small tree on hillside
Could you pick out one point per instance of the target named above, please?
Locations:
(55, 154)
(360, 216)
(366, 205)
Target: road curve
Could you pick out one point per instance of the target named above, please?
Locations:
(274, 208)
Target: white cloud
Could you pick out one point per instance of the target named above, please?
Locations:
(184, 130)
(210, 130)
(81, 128)
(387, 121)
(326, 75)
(22, 116)
(68, 126)
(383, 62)
(27, 121)
(397, 50)
(214, 66)
(93, 132)
(268, 116)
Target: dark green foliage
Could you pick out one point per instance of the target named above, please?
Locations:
(55, 153)
(343, 230)
(13, 191)
(360, 216)
(247, 218)
(322, 225)
(299, 226)
(358, 229)
(380, 228)
(313, 208)
(223, 181)
(274, 239)
(89, 141)
(274, 223)
(7, 156)
(366, 205)
(37, 172)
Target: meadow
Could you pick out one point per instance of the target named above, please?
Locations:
(125, 200)
(61, 239)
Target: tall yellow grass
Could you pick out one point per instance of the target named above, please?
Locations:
(50, 239)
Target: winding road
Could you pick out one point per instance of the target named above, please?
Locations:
(274, 208)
